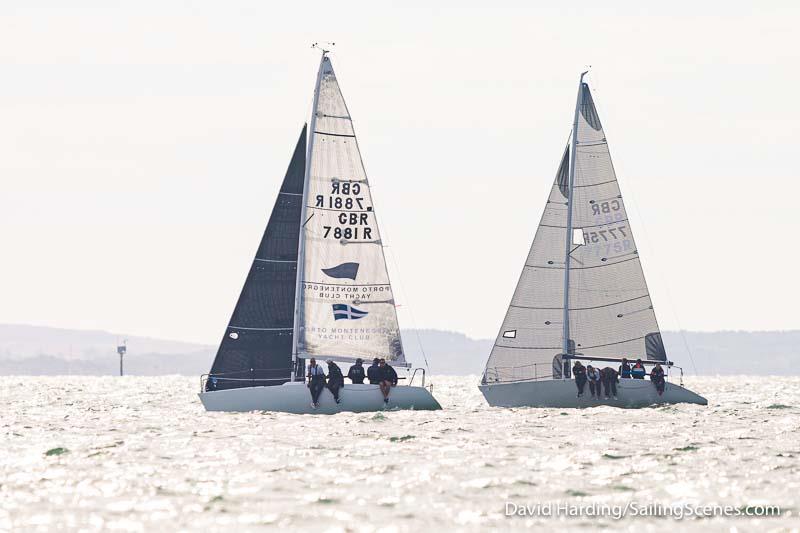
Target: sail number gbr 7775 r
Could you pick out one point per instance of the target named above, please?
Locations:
(353, 225)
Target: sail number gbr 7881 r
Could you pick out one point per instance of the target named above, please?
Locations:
(354, 225)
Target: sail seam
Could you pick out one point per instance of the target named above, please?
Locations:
(340, 210)
(259, 329)
(274, 260)
(581, 308)
(529, 347)
(594, 143)
(333, 134)
(354, 300)
(361, 180)
(594, 184)
(540, 378)
(584, 227)
(345, 241)
(559, 347)
(583, 268)
(290, 193)
(347, 284)
(611, 343)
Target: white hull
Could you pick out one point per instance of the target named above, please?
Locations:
(563, 393)
(296, 398)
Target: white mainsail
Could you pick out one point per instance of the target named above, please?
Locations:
(609, 312)
(345, 305)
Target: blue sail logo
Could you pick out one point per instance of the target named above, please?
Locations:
(347, 312)
(345, 270)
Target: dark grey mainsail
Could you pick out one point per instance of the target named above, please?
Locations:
(257, 347)
(590, 300)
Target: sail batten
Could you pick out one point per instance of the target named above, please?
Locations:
(609, 312)
(555, 266)
(333, 134)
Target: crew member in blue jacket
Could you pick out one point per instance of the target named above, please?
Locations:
(638, 371)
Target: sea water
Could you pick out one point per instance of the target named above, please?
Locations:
(141, 454)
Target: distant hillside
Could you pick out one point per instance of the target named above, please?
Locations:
(447, 352)
(736, 352)
(721, 352)
(34, 350)
(21, 341)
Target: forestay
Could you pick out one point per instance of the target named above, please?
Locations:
(610, 311)
(346, 306)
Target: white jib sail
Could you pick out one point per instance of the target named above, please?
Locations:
(345, 304)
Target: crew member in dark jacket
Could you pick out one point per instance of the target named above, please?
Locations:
(388, 379)
(316, 381)
(335, 379)
(579, 371)
(625, 368)
(356, 372)
(657, 377)
(374, 372)
(609, 377)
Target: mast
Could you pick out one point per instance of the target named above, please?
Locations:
(301, 246)
(568, 239)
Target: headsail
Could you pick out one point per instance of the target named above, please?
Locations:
(257, 346)
(611, 314)
(610, 311)
(346, 307)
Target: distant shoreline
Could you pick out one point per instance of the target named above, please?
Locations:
(39, 350)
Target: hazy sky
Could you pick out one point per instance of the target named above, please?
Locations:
(142, 145)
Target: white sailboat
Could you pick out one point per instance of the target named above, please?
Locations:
(318, 286)
(582, 294)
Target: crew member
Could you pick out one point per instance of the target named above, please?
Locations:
(638, 371)
(594, 381)
(374, 372)
(609, 377)
(316, 381)
(388, 379)
(657, 377)
(356, 372)
(625, 368)
(579, 371)
(335, 379)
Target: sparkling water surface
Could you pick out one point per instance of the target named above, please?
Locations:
(141, 454)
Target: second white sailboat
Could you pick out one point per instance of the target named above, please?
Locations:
(582, 294)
